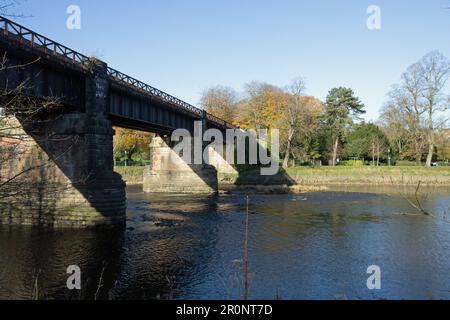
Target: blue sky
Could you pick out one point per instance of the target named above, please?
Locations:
(184, 47)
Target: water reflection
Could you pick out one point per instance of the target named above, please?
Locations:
(311, 246)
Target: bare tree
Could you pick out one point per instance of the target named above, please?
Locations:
(27, 171)
(7, 5)
(221, 102)
(291, 114)
(393, 123)
(435, 71)
(413, 111)
(406, 109)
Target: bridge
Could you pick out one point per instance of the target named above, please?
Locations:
(69, 148)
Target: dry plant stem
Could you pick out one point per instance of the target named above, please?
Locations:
(418, 206)
(246, 255)
(100, 284)
(36, 286)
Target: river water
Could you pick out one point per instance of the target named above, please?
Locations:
(307, 246)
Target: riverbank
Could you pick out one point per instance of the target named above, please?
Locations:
(298, 179)
(131, 175)
(401, 176)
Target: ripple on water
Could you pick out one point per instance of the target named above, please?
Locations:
(309, 246)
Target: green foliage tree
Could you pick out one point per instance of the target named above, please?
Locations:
(131, 145)
(341, 107)
(366, 140)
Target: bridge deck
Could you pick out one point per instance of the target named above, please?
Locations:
(132, 102)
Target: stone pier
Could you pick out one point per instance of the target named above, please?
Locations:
(219, 162)
(169, 173)
(60, 168)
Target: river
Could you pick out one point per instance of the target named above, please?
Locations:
(306, 246)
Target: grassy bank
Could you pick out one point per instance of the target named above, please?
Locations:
(323, 176)
(371, 175)
(131, 175)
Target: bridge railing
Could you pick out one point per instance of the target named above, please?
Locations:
(165, 97)
(37, 41)
(215, 119)
(40, 42)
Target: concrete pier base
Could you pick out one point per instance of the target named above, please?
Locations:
(170, 174)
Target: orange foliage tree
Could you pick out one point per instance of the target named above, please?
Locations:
(131, 145)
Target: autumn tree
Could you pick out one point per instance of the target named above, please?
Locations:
(341, 107)
(309, 133)
(221, 102)
(259, 108)
(131, 144)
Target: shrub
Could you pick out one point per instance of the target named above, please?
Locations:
(352, 163)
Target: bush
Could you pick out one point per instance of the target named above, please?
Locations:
(352, 163)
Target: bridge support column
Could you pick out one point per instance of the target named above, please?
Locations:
(220, 162)
(65, 167)
(170, 174)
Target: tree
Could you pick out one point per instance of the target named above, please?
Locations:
(221, 102)
(19, 113)
(341, 107)
(408, 97)
(259, 109)
(291, 114)
(309, 133)
(435, 71)
(21, 117)
(366, 140)
(415, 104)
(131, 144)
(402, 121)
(7, 5)
(392, 122)
(443, 145)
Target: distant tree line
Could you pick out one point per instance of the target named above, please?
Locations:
(411, 125)
(416, 115)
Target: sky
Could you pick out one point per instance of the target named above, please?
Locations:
(184, 47)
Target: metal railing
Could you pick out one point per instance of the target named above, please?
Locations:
(217, 120)
(165, 97)
(37, 41)
(48, 46)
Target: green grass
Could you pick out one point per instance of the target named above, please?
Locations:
(343, 170)
(371, 175)
(131, 175)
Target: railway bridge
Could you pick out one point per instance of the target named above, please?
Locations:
(57, 160)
